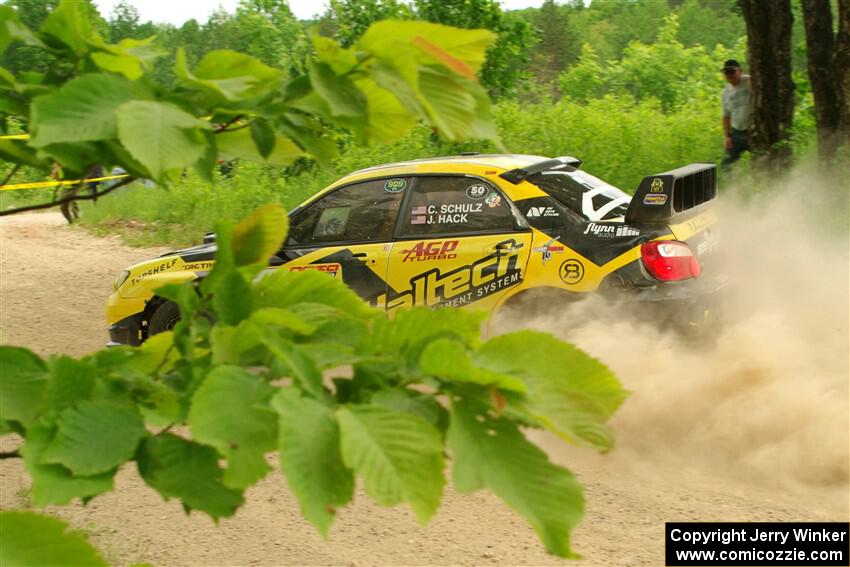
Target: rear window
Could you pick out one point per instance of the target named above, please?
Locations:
(583, 193)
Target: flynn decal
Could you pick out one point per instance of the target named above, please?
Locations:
(655, 199)
(572, 272)
(163, 267)
(332, 269)
(610, 230)
(439, 250)
(462, 285)
(452, 213)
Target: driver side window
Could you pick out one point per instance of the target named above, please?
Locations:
(362, 212)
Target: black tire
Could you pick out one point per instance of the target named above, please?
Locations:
(164, 318)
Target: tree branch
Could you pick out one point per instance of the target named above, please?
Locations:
(11, 174)
(10, 454)
(222, 127)
(53, 203)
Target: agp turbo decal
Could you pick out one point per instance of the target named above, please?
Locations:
(439, 250)
(466, 284)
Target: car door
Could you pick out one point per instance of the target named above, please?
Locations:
(347, 234)
(459, 242)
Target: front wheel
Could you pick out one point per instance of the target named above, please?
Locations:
(164, 318)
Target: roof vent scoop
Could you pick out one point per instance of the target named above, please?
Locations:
(519, 174)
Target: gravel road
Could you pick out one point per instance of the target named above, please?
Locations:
(754, 427)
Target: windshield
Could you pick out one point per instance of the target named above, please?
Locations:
(585, 194)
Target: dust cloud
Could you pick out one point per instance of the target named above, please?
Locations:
(764, 401)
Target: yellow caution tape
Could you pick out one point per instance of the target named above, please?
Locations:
(42, 184)
(15, 137)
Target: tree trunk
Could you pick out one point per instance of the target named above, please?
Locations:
(769, 49)
(841, 68)
(826, 83)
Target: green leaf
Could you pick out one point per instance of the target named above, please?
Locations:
(94, 437)
(161, 136)
(310, 457)
(448, 359)
(283, 319)
(328, 51)
(18, 151)
(126, 65)
(69, 23)
(83, 109)
(283, 288)
(425, 406)
(389, 120)
(264, 137)
(493, 453)
(240, 144)
(228, 75)
(568, 392)
(399, 456)
(341, 95)
(12, 30)
(232, 297)
(259, 236)
(392, 40)
(23, 377)
(33, 540)
(182, 469)
(54, 484)
(301, 366)
(411, 331)
(70, 381)
(230, 412)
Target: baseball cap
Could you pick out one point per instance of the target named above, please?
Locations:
(731, 64)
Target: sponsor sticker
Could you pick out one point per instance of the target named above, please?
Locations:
(163, 267)
(395, 185)
(548, 249)
(333, 270)
(654, 199)
(462, 285)
(438, 250)
(199, 266)
(610, 230)
(657, 185)
(542, 212)
(493, 200)
(571, 272)
(476, 192)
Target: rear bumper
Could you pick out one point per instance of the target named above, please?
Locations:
(690, 306)
(127, 331)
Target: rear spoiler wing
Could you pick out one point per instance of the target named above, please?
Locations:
(518, 175)
(673, 195)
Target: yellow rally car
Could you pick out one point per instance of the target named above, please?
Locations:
(473, 230)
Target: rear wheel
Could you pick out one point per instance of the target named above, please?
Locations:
(164, 318)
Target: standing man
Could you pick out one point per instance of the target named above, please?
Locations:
(736, 111)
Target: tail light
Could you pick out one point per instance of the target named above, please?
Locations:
(669, 260)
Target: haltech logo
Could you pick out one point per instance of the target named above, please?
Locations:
(439, 250)
(463, 285)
